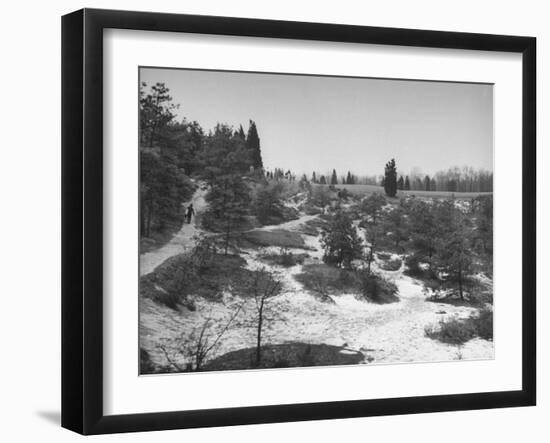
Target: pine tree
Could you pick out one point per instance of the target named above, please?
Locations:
(340, 241)
(390, 179)
(313, 178)
(455, 252)
(407, 184)
(241, 133)
(156, 110)
(371, 207)
(349, 179)
(400, 183)
(253, 146)
(322, 180)
(334, 179)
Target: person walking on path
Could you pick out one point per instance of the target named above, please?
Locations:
(189, 213)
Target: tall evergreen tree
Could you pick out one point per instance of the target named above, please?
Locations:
(349, 179)
(390, 179)
(455, 252)
(334, 178)
(322, 180)
(407, 184)
(313, 177)
(371, 207)
(340, 242)
(253, 146)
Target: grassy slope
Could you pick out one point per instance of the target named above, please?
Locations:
(371, 189)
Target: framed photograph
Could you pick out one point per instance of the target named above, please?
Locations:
(269, 221)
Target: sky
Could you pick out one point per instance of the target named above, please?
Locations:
(317, 123)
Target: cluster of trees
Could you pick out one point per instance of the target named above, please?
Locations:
(451, 241)
(280, 174)
(348, 179)
(444, 242)
(172, 152)
(464, 179)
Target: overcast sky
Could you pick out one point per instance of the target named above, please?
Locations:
(308, 123)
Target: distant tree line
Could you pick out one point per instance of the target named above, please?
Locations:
(454, 179)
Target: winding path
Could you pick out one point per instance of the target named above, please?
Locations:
(179, 243)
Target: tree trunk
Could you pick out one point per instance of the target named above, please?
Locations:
(460, 281)
(259, 336)
(227, 232)
(142, 223)
(149, 217)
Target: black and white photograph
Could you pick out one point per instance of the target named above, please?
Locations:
(298, 220)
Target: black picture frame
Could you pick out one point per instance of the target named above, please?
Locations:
(82, 218)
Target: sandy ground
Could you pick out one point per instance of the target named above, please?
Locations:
(384, 333)
(179, 242)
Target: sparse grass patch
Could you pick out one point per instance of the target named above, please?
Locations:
(284, 258)
(276, 237)
(209, 222)
(458, 331)
(314, 226)
(329, 280)
(180, 276)
(286, 355)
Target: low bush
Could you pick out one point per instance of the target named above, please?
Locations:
(483, 324)
(377, 289)
(328, 280)
(285, 258)
(453, 331)
(343, 194)
(383, 256)
(458, 331)
(391, 264)
(310, 209)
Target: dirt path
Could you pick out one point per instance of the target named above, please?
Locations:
(289, 225)
(179, 242)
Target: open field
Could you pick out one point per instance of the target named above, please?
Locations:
(371, 189)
